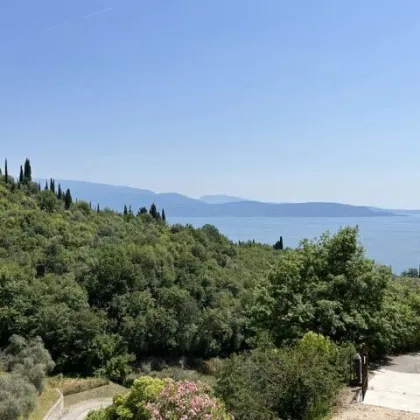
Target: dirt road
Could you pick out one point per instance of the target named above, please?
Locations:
(81, 410)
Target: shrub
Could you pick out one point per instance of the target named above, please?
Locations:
(186, 400)
(28, 359)
(17, 397)
(294, 383)
(132, 405)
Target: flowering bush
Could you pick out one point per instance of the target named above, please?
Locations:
(186, 400)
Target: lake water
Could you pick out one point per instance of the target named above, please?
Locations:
(393, 241)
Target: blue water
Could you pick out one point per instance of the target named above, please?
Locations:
(394, 241)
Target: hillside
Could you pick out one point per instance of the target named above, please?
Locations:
(110, 293)
(220, 199)
(103, 289)
(177, 205)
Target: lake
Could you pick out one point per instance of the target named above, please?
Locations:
(393, 241)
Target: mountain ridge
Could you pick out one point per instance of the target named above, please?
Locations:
(179, 205)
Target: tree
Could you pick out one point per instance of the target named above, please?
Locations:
(142, 210)
(47, 201)
(279, 244)
(27, 173)
(17, 397)
(163, 215)
(153, 211)
(6, 173)
(21, 177)
(52, 185)
(97, 208)
(46, 185)
(125, 210)
(327, 285)
(67, 200)
(59, 192)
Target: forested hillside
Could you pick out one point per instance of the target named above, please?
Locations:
(107, 290)
(103, 289)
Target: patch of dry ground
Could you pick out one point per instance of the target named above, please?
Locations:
(358, 411)
(348, 410)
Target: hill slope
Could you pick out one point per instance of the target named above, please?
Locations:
(177, 205)
(103, 289)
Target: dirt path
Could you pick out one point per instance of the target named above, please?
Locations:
(81, 410)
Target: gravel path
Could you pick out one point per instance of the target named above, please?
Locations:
(81, 410)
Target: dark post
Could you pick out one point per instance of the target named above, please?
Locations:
(365, 370)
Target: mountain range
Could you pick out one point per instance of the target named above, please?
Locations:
(178, 205)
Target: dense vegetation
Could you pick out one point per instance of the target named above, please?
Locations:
(23, 367)
(106, 291)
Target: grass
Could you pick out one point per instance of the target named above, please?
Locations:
(70, 386)
(74, 390)
(44, 402)
(106, 391)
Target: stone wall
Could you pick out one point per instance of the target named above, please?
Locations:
(57, 409)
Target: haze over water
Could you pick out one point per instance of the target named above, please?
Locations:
(393, 241)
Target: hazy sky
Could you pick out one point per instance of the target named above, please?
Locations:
(266, 99)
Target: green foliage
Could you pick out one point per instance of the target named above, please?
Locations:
(74, 276)
(294, 383)
(27, 359)
(28, 363)
(68, 200)
(47, 201)
(279, 244)
(328, 286)
(151, 398)
(132, 406)
(17, 397)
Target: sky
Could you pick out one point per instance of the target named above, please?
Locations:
(272, 100)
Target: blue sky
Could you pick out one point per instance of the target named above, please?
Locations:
(266, 99)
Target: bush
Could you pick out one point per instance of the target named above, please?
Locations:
(294, 383)
(132, 405)
(186, 400)
(17, 397)
(28, 359)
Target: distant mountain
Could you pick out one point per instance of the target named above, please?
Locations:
(178, 205)
(221, 199)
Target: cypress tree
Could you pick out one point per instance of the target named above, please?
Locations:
(27, 172)
(98, 209)
(125, 210)
(153, 211)
(130, 212)
(21, 175)
(67, 200)
(6, 174)
(46, 185)
(163, 215)
(279, 244)
(39, 186)
(59, 192)
(52, 185)
(1, 173)
(90, 205)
